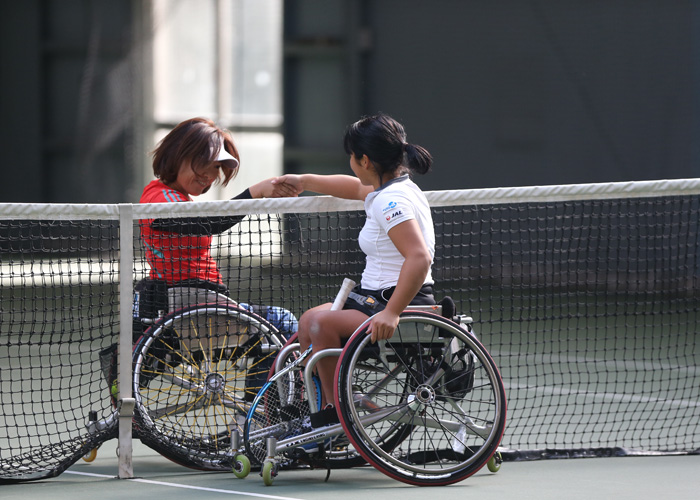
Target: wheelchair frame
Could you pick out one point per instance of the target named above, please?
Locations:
(421, 409)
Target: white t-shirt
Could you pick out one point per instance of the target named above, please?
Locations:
(396, 201)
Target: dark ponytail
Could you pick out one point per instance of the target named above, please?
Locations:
(418, 158)
(383, 140)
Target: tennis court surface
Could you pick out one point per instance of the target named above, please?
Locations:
(620, 478)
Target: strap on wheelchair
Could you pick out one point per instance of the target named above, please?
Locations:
(328, 415)
(368, 302)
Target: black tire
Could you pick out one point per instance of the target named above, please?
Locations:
(192, 371)
(435, 382)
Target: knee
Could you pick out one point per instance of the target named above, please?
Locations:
(309, 327)
(305, 325)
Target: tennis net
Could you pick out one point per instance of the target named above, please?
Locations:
(587, 296)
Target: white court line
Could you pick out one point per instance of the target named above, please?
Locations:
(605, 396)
(184, 486)
(631, 365)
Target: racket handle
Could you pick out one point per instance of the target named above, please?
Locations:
(342, 296)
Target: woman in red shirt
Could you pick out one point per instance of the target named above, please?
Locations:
(187, 162)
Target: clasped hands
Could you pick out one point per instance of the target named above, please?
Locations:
(284, 186)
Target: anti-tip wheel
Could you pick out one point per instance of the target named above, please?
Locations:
(241, 466)
(494, 463)
(90, 456)
(268, 472)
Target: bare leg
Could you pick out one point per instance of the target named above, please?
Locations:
(325, 329)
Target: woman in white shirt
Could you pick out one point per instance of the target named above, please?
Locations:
(398, 239)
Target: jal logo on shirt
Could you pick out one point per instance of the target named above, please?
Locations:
(393, 215)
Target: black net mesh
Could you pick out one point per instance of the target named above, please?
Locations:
(59, 309)
(589, 308)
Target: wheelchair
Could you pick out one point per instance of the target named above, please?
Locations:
(425, 407)
(196, 371)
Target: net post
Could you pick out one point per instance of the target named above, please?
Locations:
(126, 292)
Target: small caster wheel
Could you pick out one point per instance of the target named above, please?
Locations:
(241, 466)
(494, 463)
(90, 455)
(268, 472)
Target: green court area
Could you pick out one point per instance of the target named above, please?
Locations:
(620, 478)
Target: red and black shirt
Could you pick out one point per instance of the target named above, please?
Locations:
(180, 249)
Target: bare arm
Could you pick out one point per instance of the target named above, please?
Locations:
(269, 189)
(340, 186)
(409, 241)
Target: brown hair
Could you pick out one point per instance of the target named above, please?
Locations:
(197, 141)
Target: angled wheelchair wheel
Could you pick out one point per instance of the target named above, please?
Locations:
(338, 453)
(433, 385)
(288, 401)
(282, 409)
(195, 374)
(279, 410)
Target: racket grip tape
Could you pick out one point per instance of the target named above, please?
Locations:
(342, 296)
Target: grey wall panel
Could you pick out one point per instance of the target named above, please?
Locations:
(510, 92)
(513, 93)
(21, 126)
(68, 97)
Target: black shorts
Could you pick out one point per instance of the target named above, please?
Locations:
(370, 302)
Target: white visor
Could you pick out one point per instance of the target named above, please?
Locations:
(225, 156)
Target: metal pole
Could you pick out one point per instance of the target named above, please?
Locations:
(126, 293)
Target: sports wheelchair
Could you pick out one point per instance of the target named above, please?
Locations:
(425, 407)
(196, 371)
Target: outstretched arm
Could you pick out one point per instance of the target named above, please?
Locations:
(205, 226)
(340, 186)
